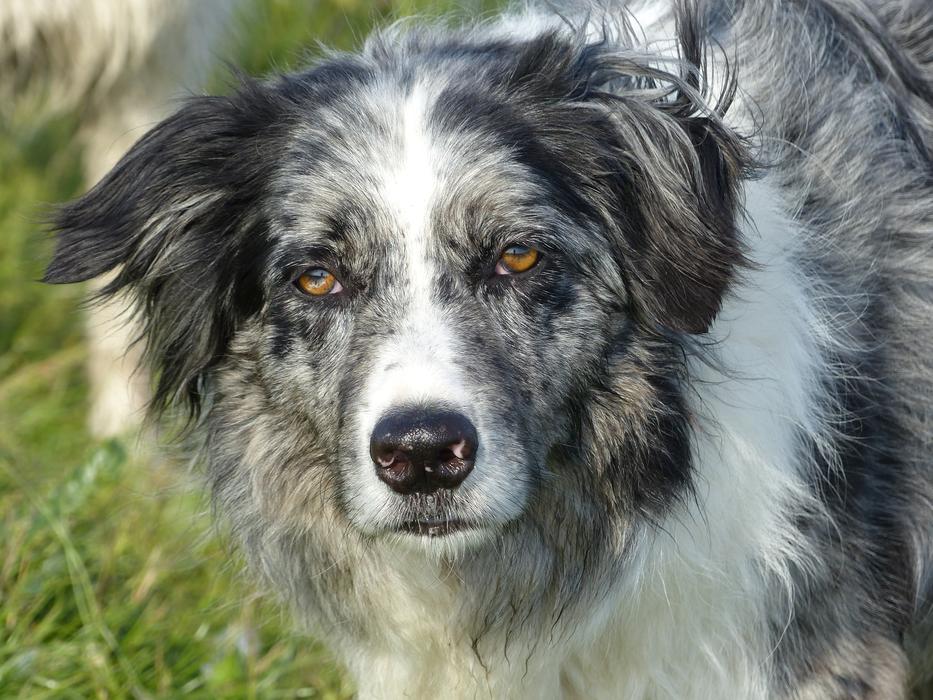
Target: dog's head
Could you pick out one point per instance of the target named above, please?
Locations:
(432, 289)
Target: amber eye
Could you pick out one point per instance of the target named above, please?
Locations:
(318, 282)
(516, 259)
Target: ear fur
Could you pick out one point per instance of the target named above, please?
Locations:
(691, 266)
(680, 176)
(659, 167)
(172, 218)
(680, 245)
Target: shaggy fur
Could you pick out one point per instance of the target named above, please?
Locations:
(118, 64)
(704, 417)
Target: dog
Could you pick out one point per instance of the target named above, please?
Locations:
(582, 352)
(118, 65)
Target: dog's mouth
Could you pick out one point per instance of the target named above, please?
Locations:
(444, 517)
(434, 515)
(436, 527)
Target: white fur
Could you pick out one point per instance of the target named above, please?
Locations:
(417, 364)
(688, 621)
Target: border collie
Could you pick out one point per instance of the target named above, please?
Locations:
(584, 352)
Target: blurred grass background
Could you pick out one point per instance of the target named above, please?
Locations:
(112, 581)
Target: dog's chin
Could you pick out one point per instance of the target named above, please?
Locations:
(434, 527)
(449, 537)
(445, 521)
(447, 534)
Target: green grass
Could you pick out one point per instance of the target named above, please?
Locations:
(112, 581)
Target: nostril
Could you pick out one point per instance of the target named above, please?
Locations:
(389, 458)
(451, 471)
(421, 450)
(461, 450)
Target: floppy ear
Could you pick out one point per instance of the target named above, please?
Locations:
(173, 218)
(683, 248)
(646, 155)
(650, 154)
(680, 247)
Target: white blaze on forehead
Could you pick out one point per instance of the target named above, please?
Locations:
(417, 362)
(418, 359)
(408, 187)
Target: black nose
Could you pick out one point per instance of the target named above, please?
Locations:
(421, 450)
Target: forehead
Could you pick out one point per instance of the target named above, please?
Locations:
(397, 156)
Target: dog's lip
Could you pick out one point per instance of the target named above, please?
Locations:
(436, 527)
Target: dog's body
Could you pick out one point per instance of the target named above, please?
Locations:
(118, 64)
(683, 340)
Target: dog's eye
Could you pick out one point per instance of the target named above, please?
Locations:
(318, 282)
(516, 259)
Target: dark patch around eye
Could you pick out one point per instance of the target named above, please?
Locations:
(249, 262)
(282, 334)
(309, 329)
(554, 309)
(446, 288)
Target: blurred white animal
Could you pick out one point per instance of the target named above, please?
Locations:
(119, 64)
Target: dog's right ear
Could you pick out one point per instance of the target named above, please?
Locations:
(174, 218)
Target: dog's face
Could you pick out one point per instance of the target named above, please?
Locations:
(427, 297)
(433, 290)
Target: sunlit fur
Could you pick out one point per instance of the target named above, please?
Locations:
(703, 416)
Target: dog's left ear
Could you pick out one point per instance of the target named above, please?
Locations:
(658, 165)
(676, 211)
